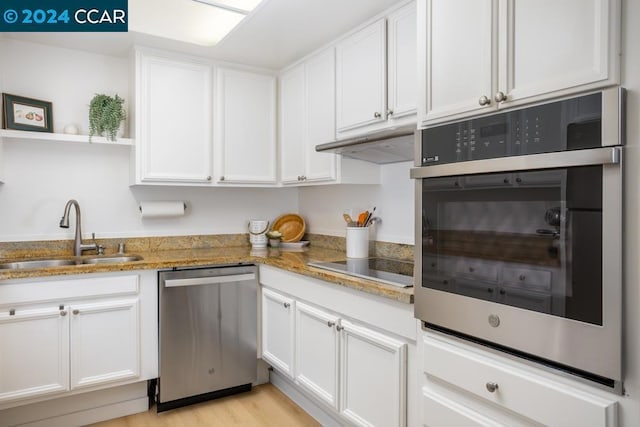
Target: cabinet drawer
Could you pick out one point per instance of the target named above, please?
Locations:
(540, 279)
(60, 290)
(438, 410)
(519, 390)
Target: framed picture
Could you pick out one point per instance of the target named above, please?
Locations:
(21, 113)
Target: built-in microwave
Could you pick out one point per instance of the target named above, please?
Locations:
(519, 232)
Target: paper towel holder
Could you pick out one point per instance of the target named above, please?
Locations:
(184, 204)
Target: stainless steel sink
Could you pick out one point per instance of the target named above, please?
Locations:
(108, 259)
(36, 263)
(58, 262)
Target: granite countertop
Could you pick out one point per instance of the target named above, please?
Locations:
(292, 261)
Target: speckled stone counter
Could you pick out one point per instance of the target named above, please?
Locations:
(162, 254)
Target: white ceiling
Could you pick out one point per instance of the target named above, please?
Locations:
(276, 34)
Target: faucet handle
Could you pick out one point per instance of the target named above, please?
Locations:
(100, 249)
(120, 248)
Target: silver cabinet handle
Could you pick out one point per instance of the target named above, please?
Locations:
(492, 387)
(76, 311)
(377, 115)
(209, 178)
(63, 312)
(287, 305)
(331, 324)
(500, 97)
(339, 328)
(389, 112)
(522, 277)
(484, 101)
(222, 178)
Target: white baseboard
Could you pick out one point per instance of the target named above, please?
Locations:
(80, 409)
(292, 391)
(95, 415)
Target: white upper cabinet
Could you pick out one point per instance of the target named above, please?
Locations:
(402, 63)
(504, 53)
(292, 125)
(361, 78)
(307, 118)
(173, 123)
(549, 46)
(320, 106)
(459, 59)
(376, 75)
(245, 127)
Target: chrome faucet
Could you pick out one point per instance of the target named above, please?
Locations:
(78, 246)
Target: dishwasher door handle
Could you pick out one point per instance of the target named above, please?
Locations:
(211, 280)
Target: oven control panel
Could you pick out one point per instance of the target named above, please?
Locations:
(557, 126)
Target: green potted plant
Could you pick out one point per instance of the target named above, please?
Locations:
(274, 237)
(105, 115)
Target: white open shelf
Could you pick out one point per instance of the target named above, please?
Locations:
(8, 134)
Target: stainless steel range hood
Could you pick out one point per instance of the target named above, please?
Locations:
(387, 146)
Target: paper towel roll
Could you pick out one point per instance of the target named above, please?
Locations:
(168, 209)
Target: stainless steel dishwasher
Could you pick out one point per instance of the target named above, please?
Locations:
(208, 333)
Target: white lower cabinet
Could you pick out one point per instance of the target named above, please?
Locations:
(355, 371)
(104, 342)
(317, 353)
(89, 343)
(373, 377)
(468, 386)
(277, 330)
(34, 355)
(63, 336)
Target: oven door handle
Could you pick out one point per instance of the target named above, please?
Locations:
(594, 156)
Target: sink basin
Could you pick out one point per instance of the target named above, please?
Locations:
(111, 259)
(36, 263)
(57, 262)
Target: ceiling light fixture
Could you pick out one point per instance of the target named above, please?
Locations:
(224, 6)
(199, 22)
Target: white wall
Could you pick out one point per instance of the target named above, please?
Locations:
(42, 176)
(323, 206)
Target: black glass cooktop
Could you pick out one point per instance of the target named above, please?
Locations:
(390, 271)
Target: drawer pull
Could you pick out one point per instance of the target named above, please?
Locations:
(522, 277)
(492, 387)
(331, 324)
(287, 305)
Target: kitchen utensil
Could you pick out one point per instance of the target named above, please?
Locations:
(368, 220)
(347, 218)
(362, 218)
(292, 227)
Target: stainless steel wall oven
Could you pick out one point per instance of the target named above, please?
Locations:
(519, 232)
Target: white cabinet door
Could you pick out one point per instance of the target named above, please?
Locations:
(317, 356)
(373, 380)
(549, 46)
(320, 96)
(361, 78)
(456, 53)
(402, 63)
(292, 125)
(278, 317)
(104, 342)
(245, 127)
(34, 354)
(173, 120)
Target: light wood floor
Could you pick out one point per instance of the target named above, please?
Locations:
(265, 405)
